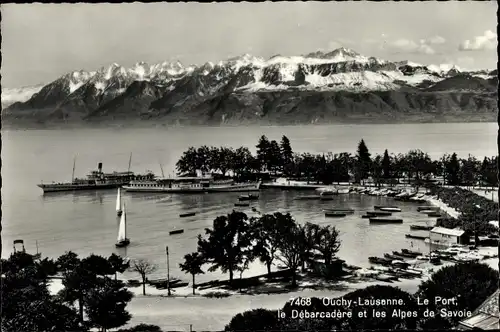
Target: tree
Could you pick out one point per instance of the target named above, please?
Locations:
(363, 161)
(286, 151)
(142, 328)
(291, 248)
(263, 151)
(254, 320)
(267, 231)
(469, 171)
(386, 166)
(188, 163)
(97, 265)
(77, 280)
(106, 304)
(192, 265)
(470, 283)
(227, 244)
(118, 264)
(377, 169)
(144, 268)
(309, 235)
(26, 302)
(452, 168)
(274, 158)
(328, 243)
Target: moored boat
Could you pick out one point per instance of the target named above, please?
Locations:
(420, 228)
(249, 197)
(416, 237)
(191, 185)
(427, 207)
(390, 209)
(378, 207)
(188, 214)
(335, 214)
(379, 213)
(379, 260)
(382, 220)
(177, 231)
(339, 210)
(96, 180)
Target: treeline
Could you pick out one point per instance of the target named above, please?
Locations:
(470, 283)
(91, 297)
(278, 158)
(475, 211)
(236, 240)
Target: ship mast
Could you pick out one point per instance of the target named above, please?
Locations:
(73, 174)
(129, 162)
(162, 174)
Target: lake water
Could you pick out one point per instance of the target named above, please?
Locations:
(86, 222)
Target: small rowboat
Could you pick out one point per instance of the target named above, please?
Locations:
(190, 214)
(390, 209)
(380, 220)
(378, 207)
(177, 231)
(335, 214)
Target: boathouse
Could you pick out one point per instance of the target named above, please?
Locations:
(447, 236)
(485, 317)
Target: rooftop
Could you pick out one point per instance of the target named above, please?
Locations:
(448, 231)
(486, 316)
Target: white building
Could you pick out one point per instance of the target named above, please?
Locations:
(446, 236)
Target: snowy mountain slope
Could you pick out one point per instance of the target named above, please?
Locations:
(10, 96)
(166, 90)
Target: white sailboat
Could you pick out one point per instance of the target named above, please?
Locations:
(122, 240)
(119, 203)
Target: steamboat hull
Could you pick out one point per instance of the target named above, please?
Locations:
(47, 188)
(235, 188)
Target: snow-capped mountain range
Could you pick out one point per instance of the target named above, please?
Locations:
(149, 91)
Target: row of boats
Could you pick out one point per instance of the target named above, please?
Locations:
(398, 194)
(148, 182)
(380, 215)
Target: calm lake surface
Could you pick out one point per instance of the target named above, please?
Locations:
(85, 222)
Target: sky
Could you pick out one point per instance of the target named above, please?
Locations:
(41, 42)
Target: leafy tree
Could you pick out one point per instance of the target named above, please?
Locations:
(291, 248)
(97, 265)
(309, 234)
(225, 161)
(227, 244)
(469, 171)
(77, 280)
(363, 161)
(254, 320)
(144, 268)
(241, 160)
(470, 283)
(188, 163)
(327, 243)
(142, 328)
(118, 264)
(106, 304)
(192, 265)
(386, 166)
(26, 302)
(267, 231)
(377, 169)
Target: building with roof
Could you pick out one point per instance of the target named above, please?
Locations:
(447, 236)
(485, 317)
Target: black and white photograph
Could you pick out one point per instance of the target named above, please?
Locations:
(253, 166)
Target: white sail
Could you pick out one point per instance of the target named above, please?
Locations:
(118, 201)
(122, 230)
